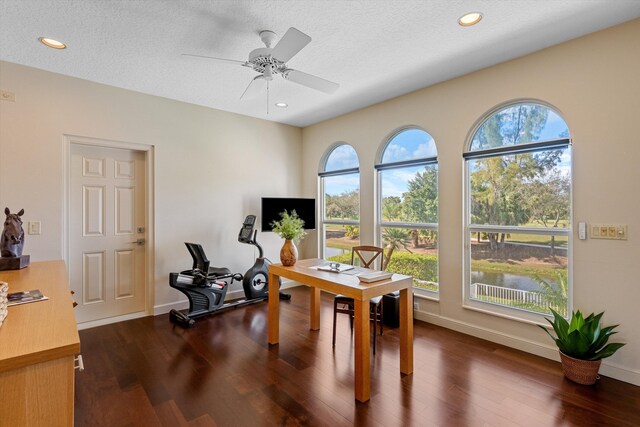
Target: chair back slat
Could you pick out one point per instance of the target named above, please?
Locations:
(366, 254)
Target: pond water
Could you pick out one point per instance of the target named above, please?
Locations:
(329, 252)
(512, 281)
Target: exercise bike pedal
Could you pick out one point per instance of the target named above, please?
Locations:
(181, 319)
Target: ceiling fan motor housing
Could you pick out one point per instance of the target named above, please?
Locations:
(260, 59)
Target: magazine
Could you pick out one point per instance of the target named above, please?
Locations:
(16, 298)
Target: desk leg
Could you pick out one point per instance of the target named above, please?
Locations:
(406, 331)
(314, 309)
(274, 309)
(362, 351)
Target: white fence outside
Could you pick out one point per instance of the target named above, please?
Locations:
(510, 297)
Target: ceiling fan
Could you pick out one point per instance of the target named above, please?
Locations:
(268, 61)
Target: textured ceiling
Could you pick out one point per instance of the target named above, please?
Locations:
(376, 50)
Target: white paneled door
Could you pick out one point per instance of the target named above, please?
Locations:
(107, 231)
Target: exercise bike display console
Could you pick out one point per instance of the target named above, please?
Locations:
(206, 286)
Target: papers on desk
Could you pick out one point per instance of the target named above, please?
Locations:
(335, 267)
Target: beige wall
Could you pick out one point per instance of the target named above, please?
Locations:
(211, 167)
(594, 82)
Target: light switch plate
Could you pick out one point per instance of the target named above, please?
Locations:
(608, 231)
(34, 227)
(7, 96)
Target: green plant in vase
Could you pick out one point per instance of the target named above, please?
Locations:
(291, 228)
(582, 343)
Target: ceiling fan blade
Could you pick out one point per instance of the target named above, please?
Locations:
(314, 82)
(231, 61)
(291, 43)
(256, 87)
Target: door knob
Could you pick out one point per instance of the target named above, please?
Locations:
(139, 242)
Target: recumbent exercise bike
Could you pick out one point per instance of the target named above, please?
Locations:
(206, 287)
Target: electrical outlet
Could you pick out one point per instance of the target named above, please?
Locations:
(7, 96)
(415, 305)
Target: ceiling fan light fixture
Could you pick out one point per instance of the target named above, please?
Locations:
(282, 104)
(469, 19)
(52, 43)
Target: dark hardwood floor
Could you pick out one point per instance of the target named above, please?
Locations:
(147, 372)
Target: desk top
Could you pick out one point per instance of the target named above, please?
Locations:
(39, 331)
(345, 283)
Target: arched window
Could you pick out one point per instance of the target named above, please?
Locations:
(518, 212)
(340, 203)
(408, 206)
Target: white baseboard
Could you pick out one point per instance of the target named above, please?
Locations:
(165, 308)
(607, 368)
(184, 304)
(109, 320)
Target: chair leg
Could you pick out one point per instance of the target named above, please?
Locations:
(375, 315)
(335, 313)
(381, 316)
(351, 316)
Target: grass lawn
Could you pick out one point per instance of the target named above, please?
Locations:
(530, 270)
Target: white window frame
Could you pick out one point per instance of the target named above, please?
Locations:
(513, 313)
(380, 224)
(321, 189)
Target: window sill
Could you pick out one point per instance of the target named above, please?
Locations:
(426, 295)
(529, 318)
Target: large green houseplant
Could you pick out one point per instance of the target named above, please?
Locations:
(291, 228)
(582, 343)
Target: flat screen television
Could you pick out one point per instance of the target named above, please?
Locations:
(273, 206)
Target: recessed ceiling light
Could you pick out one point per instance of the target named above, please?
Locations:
(470, 19)
(52, 43)
(282, 104)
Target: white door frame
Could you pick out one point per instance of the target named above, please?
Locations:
(67, 141)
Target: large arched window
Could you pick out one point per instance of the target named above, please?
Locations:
(340, 203)
(408, 206)
(518, 211)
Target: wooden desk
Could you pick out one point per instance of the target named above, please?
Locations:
(38, 342)
(349, 285)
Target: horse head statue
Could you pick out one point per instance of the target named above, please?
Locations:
(12, 239)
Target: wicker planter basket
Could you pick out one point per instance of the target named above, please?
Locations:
(580, 371)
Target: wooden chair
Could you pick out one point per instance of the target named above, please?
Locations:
(342, 304)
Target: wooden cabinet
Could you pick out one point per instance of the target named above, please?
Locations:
(38, 344)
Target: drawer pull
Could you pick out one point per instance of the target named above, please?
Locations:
(79, 364)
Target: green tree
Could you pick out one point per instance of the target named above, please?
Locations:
(498, 195)
(394, 238)
(547, 199)
(555, 294)
(345, 205)
(421, 199)
(392, 208)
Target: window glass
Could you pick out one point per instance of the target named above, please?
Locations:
(409, 144)
(340, 204)
(342, 157)
(519, 124)
(342, 197)
(519, 206)
(409, 207)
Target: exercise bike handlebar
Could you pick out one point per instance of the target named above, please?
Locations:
(256, 244)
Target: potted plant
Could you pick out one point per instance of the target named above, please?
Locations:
(291, 228)
(582, 343)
